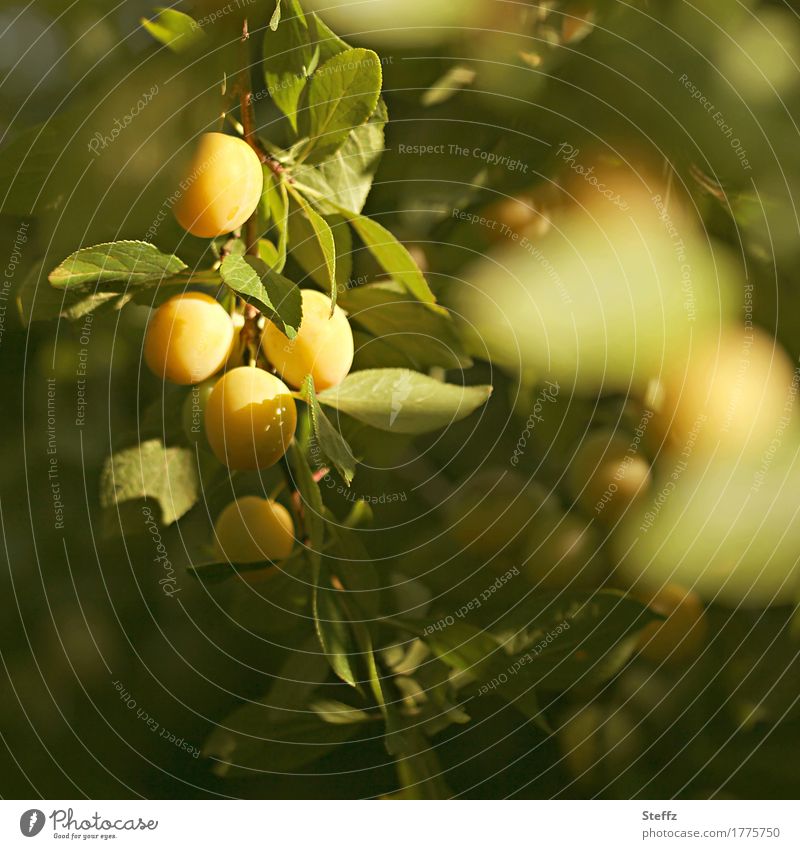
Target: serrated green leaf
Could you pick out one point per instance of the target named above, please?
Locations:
(311, 235)
(175, 29)
(291, 52)
(152, 470)
(275, 295)
(344, 179)
(342, 95)
(134, 263)
(425, 337)
(403, 401)
(331, 443)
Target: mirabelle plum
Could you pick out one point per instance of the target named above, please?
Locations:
(250, 418)
(322, 348)
(562, 553)
(682, 634)
(607, 476)
(252, 529)
(221, 187)
(731, 396)
(490, 513)
(188, 339)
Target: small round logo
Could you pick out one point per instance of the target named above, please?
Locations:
(31, 822)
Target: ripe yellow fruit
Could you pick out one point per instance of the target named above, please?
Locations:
(188, 339)
(681, 636)
(607, 474)
(731, 397)
(490, 514)
(221, 187)
(250, 419)
(252, 529)
(322, 348)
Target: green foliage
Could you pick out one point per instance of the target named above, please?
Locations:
(331, 443)
(175, 29)
(351, 667)
(403, 401)
(133, 263)
(167, 474)
(342, 94)
(275, 295)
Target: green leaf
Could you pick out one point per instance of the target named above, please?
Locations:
(175, 29)
(276, 16)
(275, 210)
(310, 231)
(342, 95)
(600, 639)
(465, 648)
(336, 637)
(215, 572)
(275, 295)
(331, 443)
(291, 52)
(38, 301)
(403, 401)
(313, 508)
(344, 179)
(134, 263)
(306, 250)
(278, 733)
(425, 337)
(393, 258)
(419, 771)
(455, 79)
(338, 713)
(29, 184)
(152, 470)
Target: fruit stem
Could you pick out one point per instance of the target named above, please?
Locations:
(246, 108)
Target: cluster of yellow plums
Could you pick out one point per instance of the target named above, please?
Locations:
(249, 413)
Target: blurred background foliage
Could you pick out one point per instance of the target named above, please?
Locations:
(81, 609)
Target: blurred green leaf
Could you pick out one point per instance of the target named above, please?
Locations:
(276, 16)
(279, 732)
(449, 84)
(177, 30)
(338, 713)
